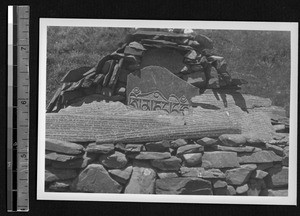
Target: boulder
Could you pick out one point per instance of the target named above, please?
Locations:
(170, 164)
(52, 174)
(63, 147)
(192, 159)
(100, 148)
(182, 185)
(114, 160)
(121, 175)
(232, 140)
(161, 146)
(142, 180)
(95, 179)
(258, 157)
(149, 155)
(220, 159)
(191, 148)
(239, 176)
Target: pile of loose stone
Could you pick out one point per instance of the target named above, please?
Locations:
(187, 56)
(227, 165)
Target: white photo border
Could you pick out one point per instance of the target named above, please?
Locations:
(291, 199)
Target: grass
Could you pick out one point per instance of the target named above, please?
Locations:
(260, 57)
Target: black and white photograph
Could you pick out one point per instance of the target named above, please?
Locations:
(167, 111)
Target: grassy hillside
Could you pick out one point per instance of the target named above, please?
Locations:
(260, 57)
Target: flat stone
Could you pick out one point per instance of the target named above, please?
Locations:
(192, 159)
(278, 177)
(284, 192)
(63, 146)
(183, 185)
(177, 143)
(207, 142)
(96, 179)
(197, 79)
(121, 175)
(149, 87)
(170, 164)
(258, 157)
(162, 175)
(52, 174)
(220, 187)
(242, 189)
(192, 55)
(219, 159)
(235, 149)
(114, 160)
(142, 180)
(191, 148)
(134, 147)
(79, 163)
(230, 190)
(264, 166)
(161, 146)
(149, 155)
(200, 172)
(232, 140)
(54, 156)
(276, 149)
(259, 174)
(239, 176)
(100, 148)
(60, 186)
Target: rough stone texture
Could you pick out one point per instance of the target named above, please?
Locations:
(60, 186)
(239, 176)
(200, 172)
(258, 157)
(276, 149)
(284, 192)
(278, 177)
(162, 175)
(63, 147)
(207, 142)
(219, 187)
(219, 159)
(241, 190)
(256, 186)
(142, 180)
(100, 149)
(232, 140)
(259, 174)
(285, 159)
(230, 190)
(161, 146)
(52, 174)
(96, 179)
(170, 164)
(192, 159)
(177, 143)
(121, 175)
(79, 163)
(134, 147)
(182, 185)
(150, 155)
(191, 148)
(54, 156)
(236, 149)
(114, 160)
(264, 166)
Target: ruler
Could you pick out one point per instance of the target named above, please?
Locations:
(18, 110)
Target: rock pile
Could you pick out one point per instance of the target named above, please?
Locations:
(227, 165)
(187, 56)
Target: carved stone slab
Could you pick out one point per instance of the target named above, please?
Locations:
(156, 88)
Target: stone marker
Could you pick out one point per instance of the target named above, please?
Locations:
(63, 146)
(96, 179)
(183, 185)
(220, 159)
(147, 90)
(258, 157)
(142, 180)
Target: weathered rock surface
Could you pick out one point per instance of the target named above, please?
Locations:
(192, 159)
(236, 149)
(219, 159)
(63, 147)
(231, 190)
(161, 146)
(100, 148)
(149, 155)
(220, 187)
(162, 175)
(134, 147)
(232, 140)
(79, 163)
(191, 148)
(54, 156)
(182, 185)
(207, 142)
(96, 179)
(276, 149)
(60, 186)
(200, 172)
(278, 177)
(121, 175)
(114, 160)
(170, 164)
(258, 157)
(259, 174)
(142, 180)
(272, 192)
(52, 174)
(241, 190)
(239, 176)
(177, 143)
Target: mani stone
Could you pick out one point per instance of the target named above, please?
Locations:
(232, 140)
(52, 174)
(236, 149)
(177, 143)
(164, 57)
(162, 175)
(79, 163)
(142, 180)
(192, 159)
(150, 155)
(258, 157)
(53, 156)
(278, 177)
(63, 146)
(219, 159)
(191, 148)
(200, 172)
(154, 78)
(114, 160)
(121, 175)
(100, 148)
(161, 146)
(170, 164)
(183, 185)
(197, 79)
(239, 176)
(207, 142)
(96, 179)
(134, 147)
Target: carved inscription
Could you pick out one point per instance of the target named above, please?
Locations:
(156, 101)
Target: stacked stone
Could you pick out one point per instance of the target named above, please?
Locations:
(185, 55)
(229, 165)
